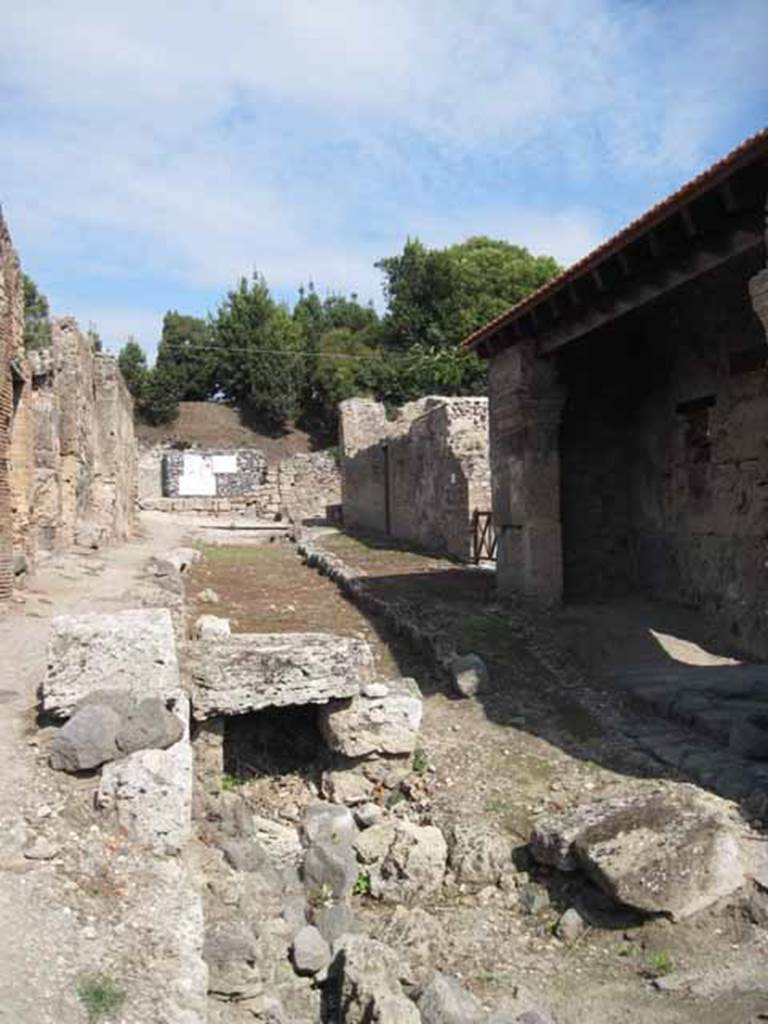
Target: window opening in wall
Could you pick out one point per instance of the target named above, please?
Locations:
(698, 438)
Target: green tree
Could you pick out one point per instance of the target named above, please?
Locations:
(133, 366)
(186, 353)
(159, 402)
(37, 322)
(261, 362)
(436, 297)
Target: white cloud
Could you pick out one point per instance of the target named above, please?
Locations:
(186, 141)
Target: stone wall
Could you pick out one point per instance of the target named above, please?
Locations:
(83, 487)
(419, 477)
(635, 461)
(664, 456)
(304, 486)
(67, 451)
(232, 473)
(12, 392)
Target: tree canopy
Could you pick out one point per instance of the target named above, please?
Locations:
(296, 364)
(37, 322)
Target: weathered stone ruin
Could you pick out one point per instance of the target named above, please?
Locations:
(419, 477)
(67, 449)
(629, 407)
(239, 481)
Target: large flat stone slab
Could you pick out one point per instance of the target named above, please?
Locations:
(134, 651)
(672, 851)
(252, 671)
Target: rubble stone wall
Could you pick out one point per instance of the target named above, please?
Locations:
(67, 450)
(664, 456)
(303, 486)
(12, 395)
(419, 477)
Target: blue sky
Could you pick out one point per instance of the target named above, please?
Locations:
(154, 152)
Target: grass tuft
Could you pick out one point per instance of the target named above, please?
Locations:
(100, 996)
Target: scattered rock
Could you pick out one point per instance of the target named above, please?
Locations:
(311, 953)
(40, 849)
(208, 626)
(248, 855)
(208, 596)
(150, 793)
(533, 898)
(229, 941)
(445, 1001)
(570, 926)
(469, 674)
(671, 851)
(478, 854)
(368, 814)
(416, 937)
(280, 842)
(749, 736)
(149, 724)
(133, 651)
(373, 844)
(384, 719)
(346, 787)
(329, 868)
(87, 740)
(328, 823)
(251, 671)
(414, 864)
(334, 921)
(529, 1017)
(367, 975)
(177, 560)
(757, 904)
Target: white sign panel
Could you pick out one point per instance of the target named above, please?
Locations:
(198, 478)
(224, 463)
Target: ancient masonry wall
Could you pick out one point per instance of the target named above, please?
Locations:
(419, 477)
(635, 461)
(303, 486)
(11, 387)
(67, 449)
(664, 456)
(85, 472)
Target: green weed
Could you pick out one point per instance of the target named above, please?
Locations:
(100, 996)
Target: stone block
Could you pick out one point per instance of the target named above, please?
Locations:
(251, 671)
(150, 792)
(671, 851)
(131, 650)
(384, 719)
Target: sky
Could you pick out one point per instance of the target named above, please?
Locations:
(153, 153)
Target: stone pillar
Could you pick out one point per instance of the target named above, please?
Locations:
(525, 404)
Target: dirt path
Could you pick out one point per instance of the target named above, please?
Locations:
(528, 746)
(40, 940)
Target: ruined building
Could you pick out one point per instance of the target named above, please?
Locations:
(67, 449)
(419, 477)
(629, 411)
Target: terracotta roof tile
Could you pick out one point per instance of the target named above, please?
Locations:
(719, 170)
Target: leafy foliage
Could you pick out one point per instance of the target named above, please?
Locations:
(37, 322)
(259, 345)
(298, 364)
(133, 366)
(186, 355)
